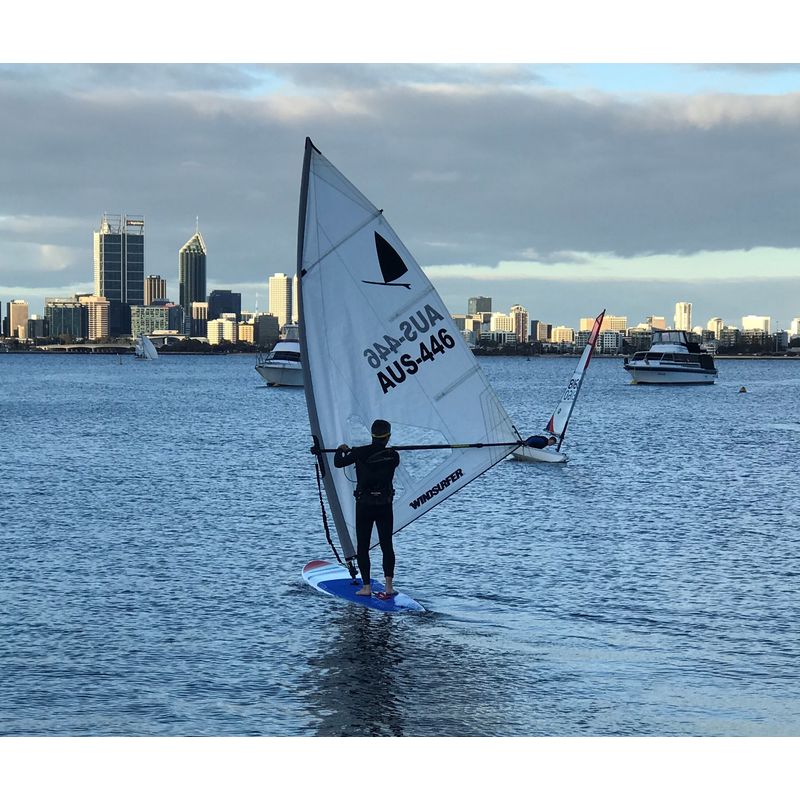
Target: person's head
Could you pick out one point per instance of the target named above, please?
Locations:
(381, 431)
(551, 440)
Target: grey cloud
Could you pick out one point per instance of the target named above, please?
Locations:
(493, 172)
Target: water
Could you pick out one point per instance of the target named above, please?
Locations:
(154, 519)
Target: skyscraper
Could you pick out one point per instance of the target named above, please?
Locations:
(280, 298)
(716, 325)
(224, 301)
(295, 297)
(99, 312)
(155, 288)
(519, 315)
(119, 268)
(192, 272)
(479, 305)
(18, 319)
(683, 316)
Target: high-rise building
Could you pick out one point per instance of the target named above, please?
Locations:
(609, 323)
(479, 305)
(119, 268)
(155, 288)
(98, 311)
(519, 315)
(659, 323)
(223, 328)
(715, 324)
(794, 327)
(561, 333)
(68, 318)
(752, 322)
(18, 319)
(199, 319)
(267, 330)
(38, 327)
(683, 316)
(295, 297)
(146, 319)
(540, 331)
(280, 298)
(224, 301)
(192, 272)
(501, 322)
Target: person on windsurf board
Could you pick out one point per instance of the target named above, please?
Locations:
(375, 465)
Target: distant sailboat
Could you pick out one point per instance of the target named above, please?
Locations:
(370, 352)
(145, 349)
(557, 424)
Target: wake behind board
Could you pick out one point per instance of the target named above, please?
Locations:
(335, 580)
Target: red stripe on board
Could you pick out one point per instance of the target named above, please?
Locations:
(314, 564)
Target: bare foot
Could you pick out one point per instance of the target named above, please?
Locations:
(365, 590)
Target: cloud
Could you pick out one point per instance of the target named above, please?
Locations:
(473, 164)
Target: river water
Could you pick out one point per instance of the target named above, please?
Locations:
(155, 517)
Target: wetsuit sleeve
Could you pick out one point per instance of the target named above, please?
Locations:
(341, 459)
(396, 459)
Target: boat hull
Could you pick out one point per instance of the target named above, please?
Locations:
(544, 455)
(276, 374)
(655, 375)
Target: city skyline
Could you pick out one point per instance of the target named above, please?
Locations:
(560, 187)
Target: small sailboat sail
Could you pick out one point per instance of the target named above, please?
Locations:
(144, 348)
(372, 351)
(557, 424)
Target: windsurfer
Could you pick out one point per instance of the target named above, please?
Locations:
(540, 442)
(375, 466)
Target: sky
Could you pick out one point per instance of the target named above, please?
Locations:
(566, 186)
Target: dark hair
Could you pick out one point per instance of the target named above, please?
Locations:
(381, 429)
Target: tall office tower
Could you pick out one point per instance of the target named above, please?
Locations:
(659, 323)
(479, 305)
(199, 319)
(192, 272)
(794, 328)
(683, 316)
(155, 288)
(68, 318)
(716, 325)
(98, 310)
(280, 298)
(295, 297)
(519, 315)
(224, 301)
(751, 322)
(17, 318)
(119, 268)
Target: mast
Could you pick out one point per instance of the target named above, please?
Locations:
(322, 459)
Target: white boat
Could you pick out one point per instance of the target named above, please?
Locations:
(672, 358)
(145, 349)
(557, 424)
(377, 342)
(282, 366)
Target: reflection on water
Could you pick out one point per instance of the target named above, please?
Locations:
(356, 692)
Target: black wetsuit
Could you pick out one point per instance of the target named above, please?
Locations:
(375, 466)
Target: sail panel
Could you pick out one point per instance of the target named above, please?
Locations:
(380, 343)
(557, 424)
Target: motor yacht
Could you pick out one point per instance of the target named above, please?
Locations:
(672, 358)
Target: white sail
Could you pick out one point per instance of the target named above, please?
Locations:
(145, 348)
(557, 424)
(378, 342)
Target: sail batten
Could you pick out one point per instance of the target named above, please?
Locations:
(373, 349)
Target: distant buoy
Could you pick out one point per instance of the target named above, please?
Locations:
(742, 390)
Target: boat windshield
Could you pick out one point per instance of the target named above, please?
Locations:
(283, 355)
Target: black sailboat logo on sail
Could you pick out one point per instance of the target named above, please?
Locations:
(392, 266)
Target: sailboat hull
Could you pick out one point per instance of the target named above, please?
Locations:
(335, 580)
(545, 456)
